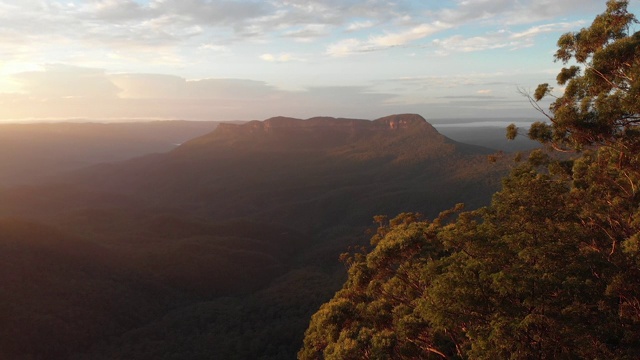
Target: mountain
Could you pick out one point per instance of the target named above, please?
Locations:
(306, 173)
(239, 220)
(286, 134)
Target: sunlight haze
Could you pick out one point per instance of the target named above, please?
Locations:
(243, 60)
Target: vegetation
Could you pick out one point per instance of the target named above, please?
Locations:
(222, 248)
(551, 269)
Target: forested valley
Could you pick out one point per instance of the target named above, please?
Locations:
(221, 247)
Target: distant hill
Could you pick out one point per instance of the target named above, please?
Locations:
(241, 219)
(318, 172)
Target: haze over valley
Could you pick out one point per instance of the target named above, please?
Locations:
(213, 179)
(231, 222)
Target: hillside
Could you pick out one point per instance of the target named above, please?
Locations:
(239, 220)
(319, 171)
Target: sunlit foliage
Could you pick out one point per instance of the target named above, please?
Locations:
(550, 270)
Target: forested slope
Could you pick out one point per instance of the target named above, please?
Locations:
(550, 270)
(221, 248)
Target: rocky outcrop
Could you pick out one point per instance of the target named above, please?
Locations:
(316, 132)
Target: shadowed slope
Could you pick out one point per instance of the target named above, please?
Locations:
(230, 213)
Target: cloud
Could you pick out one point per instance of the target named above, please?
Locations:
(459, 43)
(307, 33)
(508, 12)
(60, 92)
(345, 47)
(380, 42)
(215, 48)
(500, 39)
(160, 86)
(176, 28)
(479, 97)
(532, 11)
(268, 57)
(168, 22)
(118, 10)
(404, 37)
(211, 13)
(483, 13)
(59, 81)
(546, 28)
(359, 25)
(279, 58)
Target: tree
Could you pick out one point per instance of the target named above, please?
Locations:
(525, 277)
(599, 105)
(550, 269)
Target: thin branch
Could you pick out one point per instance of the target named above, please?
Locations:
(601, 75)
(535, 104)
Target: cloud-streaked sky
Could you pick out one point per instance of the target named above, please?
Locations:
(249, 59)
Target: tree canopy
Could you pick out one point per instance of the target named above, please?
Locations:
(600, 79)
(550, 269)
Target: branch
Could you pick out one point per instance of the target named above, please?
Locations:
(601, 75)
(535, 104)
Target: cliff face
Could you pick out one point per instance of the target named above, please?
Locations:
(405, 121)
(393, 122)
(284, 133)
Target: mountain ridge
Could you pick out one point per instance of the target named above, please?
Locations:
(393, 134)
(234, 212)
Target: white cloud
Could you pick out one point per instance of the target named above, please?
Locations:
(404, 37)
(541, 29)
(509, 12)
(283, 57)
(268, 57)
(500, 39)
(458, 43)
(308, 33)
(63, 81)
(350, 46)
(345, 47)
(359, 25)
(214, 48)
(118, 96)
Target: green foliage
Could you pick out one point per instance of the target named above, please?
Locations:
(599, 105)
(541, 91)
(550, 270)
(512, 131)
(541, 132)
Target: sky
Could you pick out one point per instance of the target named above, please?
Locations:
(113, 60)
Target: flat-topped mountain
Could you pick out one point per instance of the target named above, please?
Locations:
(316, 126)
(392, 134)
(317, 171)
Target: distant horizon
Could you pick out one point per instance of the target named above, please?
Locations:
(220, 60)
(436, 122)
